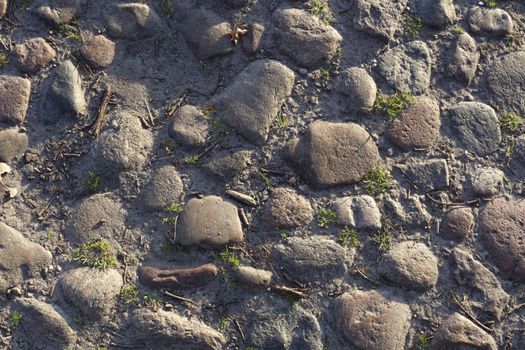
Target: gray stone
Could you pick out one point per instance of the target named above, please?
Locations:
(457, 224)
(312, 258)
(458, 332)
(305, 38)
(411, 211)
(251, 42)
(410, 265)
(163, 189)
(13, 143)
(189, 127)
(369, 320)
(33, 55)
(427, 176)
(162, 329)
(360, 89)
(417, 126)
(14, 99)
(42, 327)
(209, 221)
(360, 212)
(506, 79)
(407, 67)
(379, 18)
(501, 231)
(98, 51)
(57, 12)
(487, 181)
(94, 292)
(3, 7)
(465, 59)
(476, 127)
(489, 21)
(252, 277)
(20, 259)
(287, 209)
(228, 164)
(519, 150)
(177, 278)
(482, 287)
(438, 13)
(332, 154)
(251, 103)
(133, 21)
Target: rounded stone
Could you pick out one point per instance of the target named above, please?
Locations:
(287, 209)
(13, 143)
(457, 224)
(14, 99)
(189, 127)
(506, 79)
(133, 21)
(252, 277)
(465, 59)
(253, 40)
(436, 13)
(360, 89)
(98, 51)
(163, 189)
(487, 181)
(458, 332)
(360, 212)
(489, 21)
(33, 55)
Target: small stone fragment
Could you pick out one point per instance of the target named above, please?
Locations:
(14, 99)
(360, 89)
(241, 197)
(252, 41)
(436, 13)
(163, 189)
(487, 181)
(98, 51)
(179, 278)
(287, 209)
(465, 59)
(360, 212)
(427, 176)
(13, 143)
(489, 21)
(457, 224)
(33, 55)
(228, 164)
(57, 12)
(458, 332)
(252, 277)
(189, 127)
(379, 18)
(133, 21)
(508, 71)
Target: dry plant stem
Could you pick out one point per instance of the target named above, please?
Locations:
(176, 297)
(468, 313)
(289, 290)
(96, 128)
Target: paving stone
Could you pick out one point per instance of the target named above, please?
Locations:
(312, 258)
(287, 209)
(482, 287)
(407, 67)
(410, 265)
(252, 277)
(252, 41)
(163, 189)
(332, 154)
(359, 88)
(33, 55)
(476, 127)
(20, 259)
(56, 12)
(410, 211)
(489, 21)
(427, 176)
(508, 71)
(417, 126)
(304, 37)
(437, 13)
(98, 51)
(14, 99)
(465, 59)
(161, 329)
(3, 7)
(458, 332)
(94, 292)
(43, 326)
(369, 320)
(177, 278)
(189, 127)
(13, 143)
(457, 224)
(209, 221)
(379, 18)
(501, 231)
(360, 212)
(251, 103)
(228, 164)
(133, 21)
(487, 181)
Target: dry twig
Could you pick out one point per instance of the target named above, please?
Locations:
(96, 128)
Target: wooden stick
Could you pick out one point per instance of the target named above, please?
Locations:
(96, 128)
(468, 313)
(40, 213)
(289, 290)
(151, 123)
(240, 329)
(176, 297)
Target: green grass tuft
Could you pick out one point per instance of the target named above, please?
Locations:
(392, 105)
(15, 318)
(326, 217)
(378, 181)
(511, 122)
(229, 257)
(129, 294)
(95, 254)
(349, 237)
(92, 181)
(414, 26)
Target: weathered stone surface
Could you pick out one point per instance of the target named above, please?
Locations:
(417, 126)
(427, 176)
(489, 21)
(379, 18)
(312, 258)
(360, 89)
(359, 212)
(458, 332)
(133, 21)
(409, 211)
(56, 12)
(42, 326)
(304, 37)
(189, 127)
(94, 292)
(368, 320)
(252, 102)
(487, 181)
(228, 164)
(177, 278)
(162, 329)
(411, 265)
(98, 51)
(501, 231)
(287, 209)
(13, 143)
(436, 13)
(33, 55)
(252, 41)
(465, 60)
(332, 154)
(209, 221)
(457, 224)
(3, 7)
(476, 127)
(508, 71)
(20, 258)
(163, 189)
(252, 277)
(407, 67)
(14, 99)
(482, 287)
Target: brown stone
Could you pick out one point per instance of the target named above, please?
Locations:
(181, 278)
(13, 143)
(457, 224)
(14, 99)
(458, 332)
(98, 51)
(287, 209)
(33, 55)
